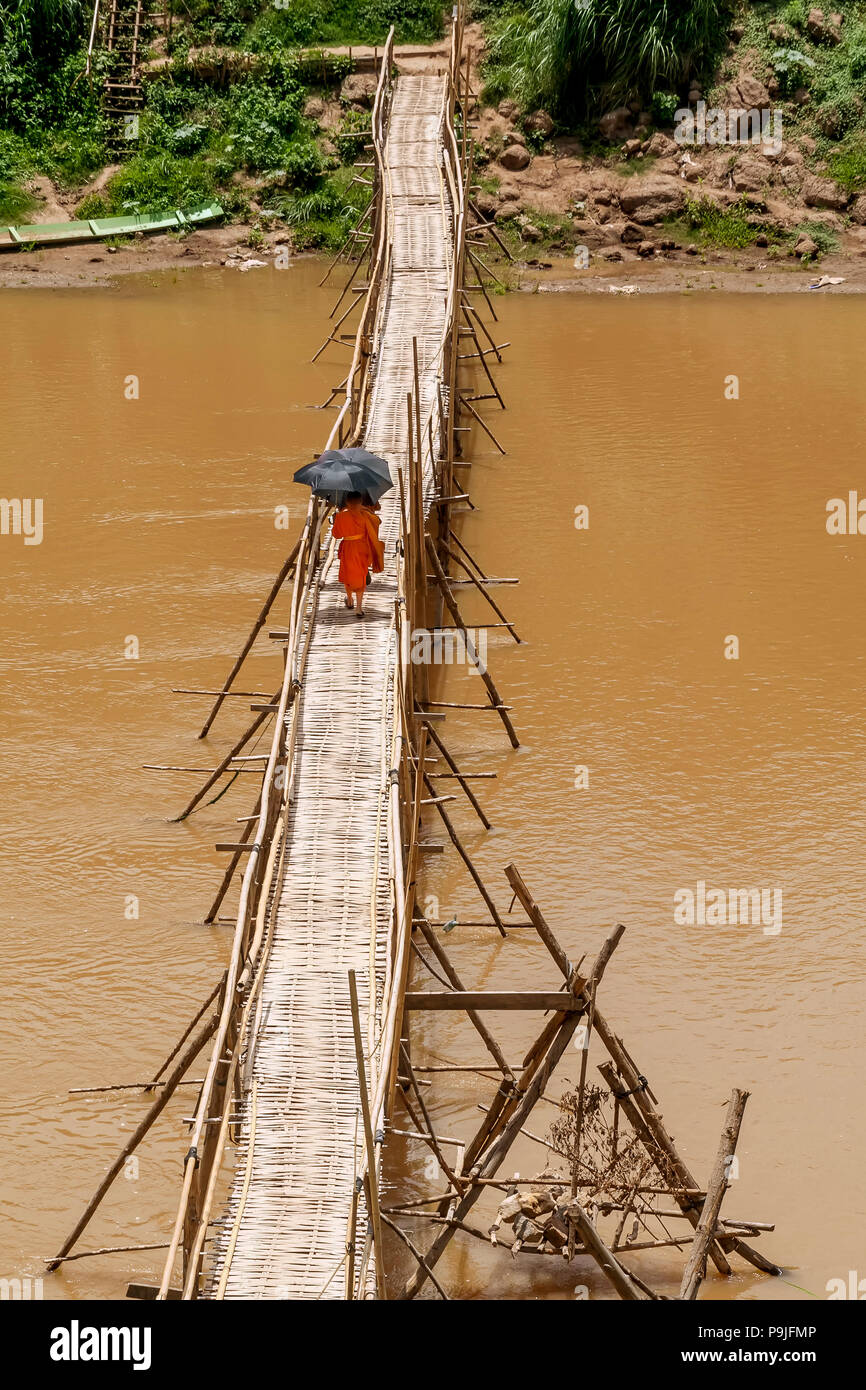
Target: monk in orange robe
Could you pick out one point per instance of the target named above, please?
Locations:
(357, 530)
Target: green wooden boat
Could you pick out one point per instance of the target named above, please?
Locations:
(60, 233)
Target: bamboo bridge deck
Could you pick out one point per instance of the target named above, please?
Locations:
(284, 1235)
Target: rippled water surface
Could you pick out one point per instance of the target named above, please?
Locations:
(707, 520)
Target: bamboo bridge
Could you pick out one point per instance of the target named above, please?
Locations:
(307, 1039)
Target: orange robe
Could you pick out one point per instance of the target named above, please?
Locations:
(352, 529)
(377, 546)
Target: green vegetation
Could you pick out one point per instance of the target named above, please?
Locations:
(823, 236)
(733, 227)
(197, 141)
(575, 59)
(303, 23)
(848, 165)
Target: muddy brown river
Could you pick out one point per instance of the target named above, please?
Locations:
(657, 766)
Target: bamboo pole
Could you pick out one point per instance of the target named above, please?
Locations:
(513, 1124)
(604, 1258)
(233, 864)
(717, 1186)
(179, 1044)
(372, 1180)
(285, 569)
(156, 1109)
(482, 590)
(451, 605)
(482, 359)
(464, 855)
(474, 1017)
(218, 771)
(464, 400)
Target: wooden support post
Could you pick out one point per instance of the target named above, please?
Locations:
(331, 338)
(451, 604)
(482, 589)
(464, 400)
(716, 1188)
(365, 214)
(483, 288)
(482, 359)
(493, 232)
(233, 864)
(179, 1044)
(656, 1141)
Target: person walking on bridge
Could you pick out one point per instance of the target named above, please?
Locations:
(357, 530)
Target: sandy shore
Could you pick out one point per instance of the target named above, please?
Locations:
(744, 272)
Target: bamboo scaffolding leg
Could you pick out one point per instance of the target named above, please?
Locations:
(426, 1121)
(464, 400)
(513, 1124)
(156, 1109)
(464, 785)
(417, 1254)
(637, 1104)
(218, 771)
(482, 359)
(483, 289)
(717, 1186)
(493, 232)
(458, 845)
(357, 227)
(331, 338)
(259, 623)
(233, 864)
(663, 1154)
(475, 1018)
(451, 605)
(481, 264)
(359, 262)
(482, 590)
(179, 1044)
(604, 1258)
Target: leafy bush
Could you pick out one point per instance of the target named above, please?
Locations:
(160, 183)
(823, 236)
(664, 107)
(187, 139)
(303, 164)
(260, 123)
(848, 167)
(721, 226)
(792, 69)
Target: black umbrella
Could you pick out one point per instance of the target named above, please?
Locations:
(338, 471)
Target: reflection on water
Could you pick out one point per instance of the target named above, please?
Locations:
(706, 521)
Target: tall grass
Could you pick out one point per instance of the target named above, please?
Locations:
(575, 56)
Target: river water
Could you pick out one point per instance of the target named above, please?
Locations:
(651, 761)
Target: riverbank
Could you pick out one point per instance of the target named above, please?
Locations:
(96, 264)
